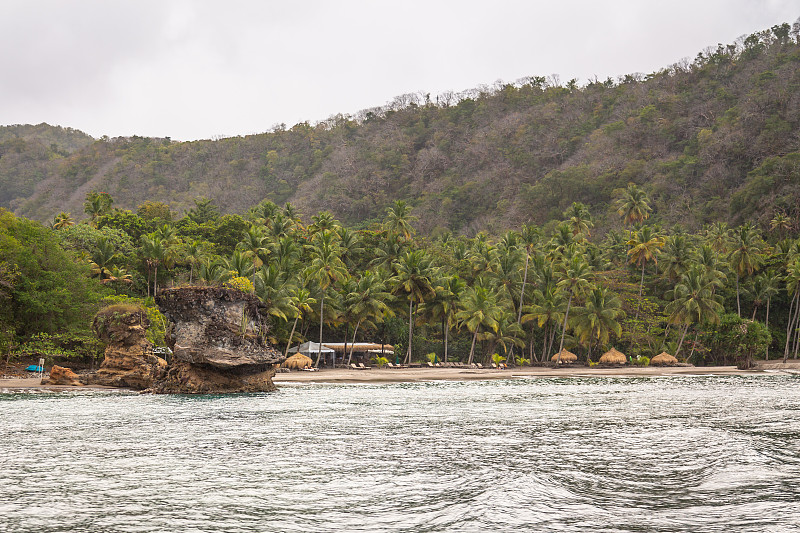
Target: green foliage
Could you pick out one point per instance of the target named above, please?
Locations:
(50, 292)
(158, 322)
(642, 360)
(61, 346)
(736, 340)
(380, 361)
(123, 220)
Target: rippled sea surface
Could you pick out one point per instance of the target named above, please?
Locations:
(551, 454)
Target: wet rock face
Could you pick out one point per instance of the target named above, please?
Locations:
(129, 360)
(217, 340)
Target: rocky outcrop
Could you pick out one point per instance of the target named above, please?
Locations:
(217, 339)
(129, 360)
(60, 375)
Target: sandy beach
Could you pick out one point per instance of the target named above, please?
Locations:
(411, 375)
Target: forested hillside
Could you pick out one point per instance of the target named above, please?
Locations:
(711, 139)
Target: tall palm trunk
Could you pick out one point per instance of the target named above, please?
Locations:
(472, 348)
(564, 328)
(410, 328)
(148, 280)
(289, 342)
(791, 326)
(678, 349)
(738, 305)
(352, 344)
(319, 348)
(155, 282)
(522, 292)
(766, 324)
(446, 335)
(641, 287)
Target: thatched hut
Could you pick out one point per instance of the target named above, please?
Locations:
(663, 359)
(613, 357)
(297, 361)
(566, 356)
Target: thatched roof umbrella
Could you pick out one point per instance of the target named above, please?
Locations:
(566, 356)
(663, 359)
(613, 357)
(298, 361)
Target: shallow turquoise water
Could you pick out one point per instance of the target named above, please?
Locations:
(550, 454)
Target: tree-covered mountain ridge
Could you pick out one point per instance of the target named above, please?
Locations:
(712, 139)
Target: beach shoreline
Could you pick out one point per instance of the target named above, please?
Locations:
(414, 375)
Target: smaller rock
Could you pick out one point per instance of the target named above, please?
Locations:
(62, 376)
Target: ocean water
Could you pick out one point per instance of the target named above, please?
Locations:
(547, 454)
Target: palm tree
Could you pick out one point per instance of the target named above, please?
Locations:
(301, 303)
(678, 256)
(782, 223)
(718, 236)
(633, 205)
(239, 264)
(745, 256)
(579, 219)
(194, 254)
(63, 220)
(254, 244)
(574, 280)
(413, 274)
(793, 289)
(275, 290)
(323, 221)
(645, 245)
(443, 306)
(547, 309)
(479, 309)
(326, 268)
(285, 252)
(530, 236)
(116, 273)
(398, 220)
(351, 246)
(96, 205)
(213, 271)
(693, 302)
(598, 318)
(103, 257)
(367, 303)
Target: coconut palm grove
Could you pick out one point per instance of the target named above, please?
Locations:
(651, 213)
(722, 295)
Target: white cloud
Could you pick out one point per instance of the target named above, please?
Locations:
(192, 69)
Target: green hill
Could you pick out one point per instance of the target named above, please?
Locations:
(711, 139)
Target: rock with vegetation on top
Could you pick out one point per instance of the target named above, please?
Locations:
(129, 360)
(217, 339)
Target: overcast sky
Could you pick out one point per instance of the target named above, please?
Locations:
(192, 69)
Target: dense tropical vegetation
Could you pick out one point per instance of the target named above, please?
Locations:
(650, 213)
(719, 295)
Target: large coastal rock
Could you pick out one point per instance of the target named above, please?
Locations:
(129, 360)
(60, 375)
(217, 340)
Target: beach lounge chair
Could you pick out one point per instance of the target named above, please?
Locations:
(430, 364)
(480, 366)
(362, 367)
(354, 367)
